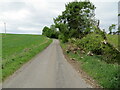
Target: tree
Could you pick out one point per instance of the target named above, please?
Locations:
(63, 31)
(46, 31)
(113, 26)
(78, 16)
(54, 31)
(117, 32)
(50, 32)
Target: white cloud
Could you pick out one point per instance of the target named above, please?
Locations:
(30, 16)
(27, 29)
(15, 15)
(107, 13)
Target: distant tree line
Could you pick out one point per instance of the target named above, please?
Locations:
(50, 32)
(113, 27)
(76, 21)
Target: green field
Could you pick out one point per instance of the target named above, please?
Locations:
(17, 49)
(106, 75)
(113, 39)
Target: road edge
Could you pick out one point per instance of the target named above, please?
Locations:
(76, 65)
(23, 65)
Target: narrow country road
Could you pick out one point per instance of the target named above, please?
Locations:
(49, 69)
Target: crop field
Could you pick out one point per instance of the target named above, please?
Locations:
(114, 40)
(17, 49)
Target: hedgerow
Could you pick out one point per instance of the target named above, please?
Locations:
(97, 45)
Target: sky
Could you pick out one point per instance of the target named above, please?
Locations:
(30, 16)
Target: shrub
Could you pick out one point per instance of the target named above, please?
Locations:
(91, 42)
(97, 45)
(63, 38)
(72, 40)
(110, 53)
(50, 32)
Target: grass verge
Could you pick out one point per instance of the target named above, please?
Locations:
(19, 49)
(106, 75)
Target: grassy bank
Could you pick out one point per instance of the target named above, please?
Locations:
(113, 39)
(106, 75)
(18, 49)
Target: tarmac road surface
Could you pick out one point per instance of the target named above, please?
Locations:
(48, 69)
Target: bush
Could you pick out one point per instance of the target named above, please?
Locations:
(72, 40)
(63, 38)
(91, 42)
(106, 75)
(50, 32)
(110, 54)
(97, 45)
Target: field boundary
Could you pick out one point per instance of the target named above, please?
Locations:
(23, 66)
(77, 66)
(96, 72)
(22, 58)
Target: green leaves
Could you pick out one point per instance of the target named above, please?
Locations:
(50, 32)
(97, 45)
(77, 16)
(113, 26)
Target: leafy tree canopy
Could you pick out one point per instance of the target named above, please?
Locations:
(78, 16)
(50, 32)
(113, 26)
